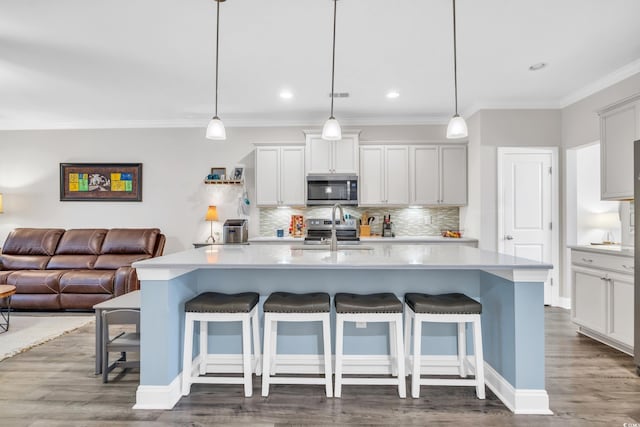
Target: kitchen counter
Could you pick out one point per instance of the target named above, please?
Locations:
(510, 289)
(605, 249)
(397, 239)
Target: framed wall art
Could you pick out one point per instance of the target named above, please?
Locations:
(218, 173)
(101, 182)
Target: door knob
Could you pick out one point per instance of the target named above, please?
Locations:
(508, 237)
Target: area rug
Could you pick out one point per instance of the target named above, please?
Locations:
(27, 331)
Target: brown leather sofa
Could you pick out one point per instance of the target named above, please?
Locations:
(54, 269)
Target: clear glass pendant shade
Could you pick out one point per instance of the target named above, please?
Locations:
(457, 128)
(331, 130)
(215, 129)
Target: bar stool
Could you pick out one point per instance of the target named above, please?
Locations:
(289, 307)
(216, 307)
(383, 307)
(445, 308)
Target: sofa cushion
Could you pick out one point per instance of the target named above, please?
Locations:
(36, 301)
(4, 275)
(24, 262)
(130, 241)
(112, 262)
(32, 241)
(87, 282)
(81, 301)
(36, 281)
(70, 262)
(81, 242)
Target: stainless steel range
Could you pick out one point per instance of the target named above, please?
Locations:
(319, 231)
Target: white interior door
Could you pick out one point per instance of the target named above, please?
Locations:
(526, 207)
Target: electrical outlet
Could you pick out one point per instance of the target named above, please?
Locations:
(427, 220)
(361, 325)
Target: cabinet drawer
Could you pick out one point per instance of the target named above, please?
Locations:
(617, 263)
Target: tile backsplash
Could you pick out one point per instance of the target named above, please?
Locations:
(406, 221)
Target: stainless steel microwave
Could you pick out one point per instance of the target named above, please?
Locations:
(331, 189)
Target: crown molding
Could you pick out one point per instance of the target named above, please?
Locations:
(600, 84)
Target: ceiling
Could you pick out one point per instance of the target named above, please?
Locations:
(129, 63)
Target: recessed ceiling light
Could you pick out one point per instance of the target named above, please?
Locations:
(393, 94)
(286, 94)
(538, 66)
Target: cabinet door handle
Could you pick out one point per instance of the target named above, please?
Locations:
(587, 260)
(508, 237)
(628, 267)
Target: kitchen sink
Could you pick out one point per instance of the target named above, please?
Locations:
(326, 248)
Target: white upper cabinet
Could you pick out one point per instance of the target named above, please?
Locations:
(280, 176)
(619, 127)
(438, 175)
(384, 175)
(329, 157)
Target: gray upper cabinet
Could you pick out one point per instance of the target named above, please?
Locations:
(619, 127)
(438, 175)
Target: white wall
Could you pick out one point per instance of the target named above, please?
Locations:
(175, 162)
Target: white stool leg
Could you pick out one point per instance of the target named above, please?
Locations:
(402, 384)
(339, 337)
(328, 372)
(255, 320)
(392, 349)
(204, 346)
(417, 353)
(462, 348)
(246, 356)
(266, 355)
(274, 347)
(187, 355)
(477, 349)
(407, 336)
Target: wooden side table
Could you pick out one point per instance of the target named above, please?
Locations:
(6, 292)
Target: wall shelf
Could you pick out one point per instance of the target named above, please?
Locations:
(224, 181)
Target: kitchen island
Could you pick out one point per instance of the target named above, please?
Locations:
(510, 290)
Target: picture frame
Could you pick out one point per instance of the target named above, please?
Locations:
(238, 173)
(217, 173)
(101, 182)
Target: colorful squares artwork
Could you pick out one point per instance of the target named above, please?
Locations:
(101, 181)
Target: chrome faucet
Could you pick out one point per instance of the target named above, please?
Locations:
(334, 238)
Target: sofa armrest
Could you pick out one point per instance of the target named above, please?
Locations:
(126, 281)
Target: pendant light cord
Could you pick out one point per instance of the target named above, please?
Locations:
(455, 56)
(333, 61)
(217, 44)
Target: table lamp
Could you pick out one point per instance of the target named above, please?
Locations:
(212, 215)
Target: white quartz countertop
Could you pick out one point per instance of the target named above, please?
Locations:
(379, 256)
(364, 240)
(605, 249)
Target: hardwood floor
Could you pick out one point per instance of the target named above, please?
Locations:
(53, 385)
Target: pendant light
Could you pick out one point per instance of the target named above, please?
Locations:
(215, 129)
(457, 127)
(331, 130)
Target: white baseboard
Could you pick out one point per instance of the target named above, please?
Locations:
(159, 396)
(519, 401)
(564, 302)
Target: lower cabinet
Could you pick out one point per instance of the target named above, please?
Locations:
(603, 298)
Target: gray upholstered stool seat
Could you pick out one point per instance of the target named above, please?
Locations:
(376, 308)
(286, 302)
(215, 302)
(211, 307)
(290, 307)
(454, 303)
(370, 303)
(445, 308)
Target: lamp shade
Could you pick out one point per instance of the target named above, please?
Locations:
(331, 130)
(215, 129)
(212, 214)
(457, 128)
(1, 210)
